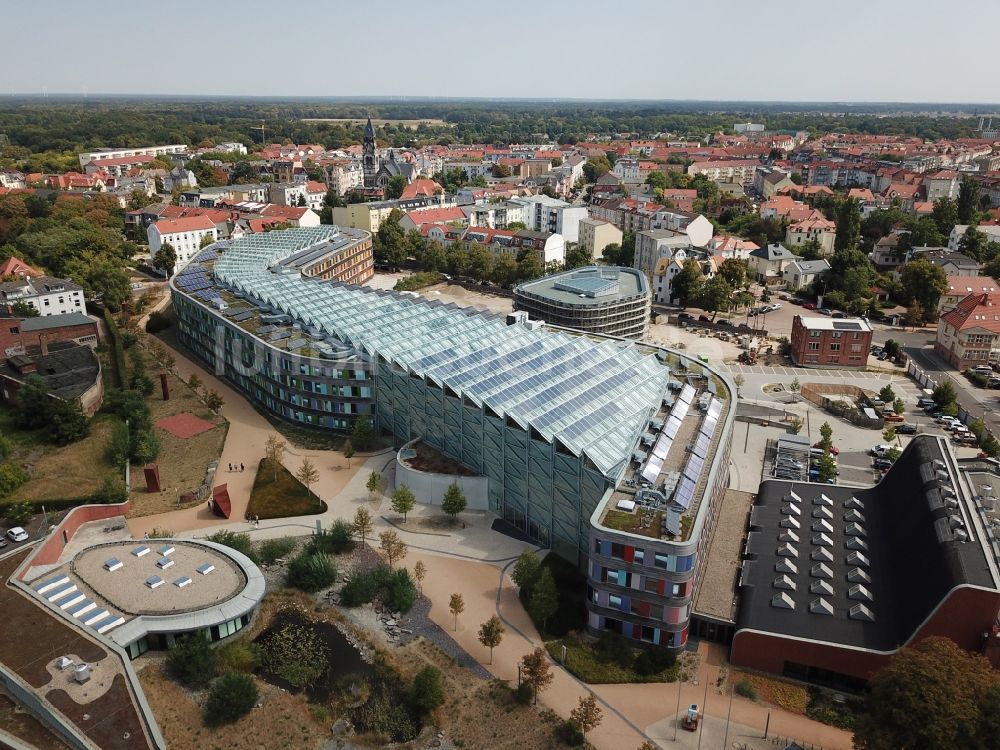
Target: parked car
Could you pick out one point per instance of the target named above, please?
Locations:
(891, 416)
(946, 420)
(837, 314)
(774, 306)
(993, 383)
(906, 429)
(882, 464)
(704, 319)
(724, 322)
(17, 534)
(983, 370)
(3, 542)
(881, 450)
(685, 316)
(833, 449)
(808, 306)
(824, 311)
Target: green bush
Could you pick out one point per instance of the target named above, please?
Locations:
(417, 281)
(613, 647)
(111, 491)
(117, 348)
(128, 339)
(238, 542)
(240, 655)
(359, 589)
(312, 572)
(18, 514)
(428, 689)
(297, 654)
(273, 550)
(191, 660)
(569, 733)
(746, 689)
(523, 694)
(230, 697)
(6, 446)
(12, 476)
(399, 594)
(386, 715)
(157, 322)
(653, 661)
(333, 541)
(394, 587)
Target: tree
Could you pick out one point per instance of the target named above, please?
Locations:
(428, 689)
(930, 696)
(480, 262)
(848, 226)
(311, 571)
(390, 242)
(587, 714)
(230, 697)
(973, 243)
(67, 422)
(914, 315)
(686, 285)
(274, 450)
(194, 382)
(456, 606)
(826, 465)
(715, 295)
(206, 240)
(191, 660)
(594, 167)
(363, 436)
(374, 485)
(969, 196)
(577, 256)
(454, 500)
(795, 426)
(363, 524)
(348, 452)
(739, 380)
(898, 406)
(395, 187)
(529, 266)
(31, 407)
(886, 394)
(826, 437)
(544, 598)
(944, 393)
(734, 270)
(22, 309)
(307, 473)
(526, 571)
(945, 215)
(501, 170)
(392, 547)
(166, 258)
(536, 671)
(924, 282)
(419, 573)
(213, 400)
(491, 634)
(403, 500)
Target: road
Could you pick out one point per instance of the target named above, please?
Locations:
(974, 400)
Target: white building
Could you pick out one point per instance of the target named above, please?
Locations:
(230, 147)
(47, 294)
(627, 170)
(992, 232)
(343, 178)
(800, 273)
(119, 153)
(286, 193)
(545, 214)
(184, 235)
(652, 245)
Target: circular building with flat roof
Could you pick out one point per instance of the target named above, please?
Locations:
(608, 301)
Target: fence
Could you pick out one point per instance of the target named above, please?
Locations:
(838, 408)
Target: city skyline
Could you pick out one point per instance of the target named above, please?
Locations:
(726, 52)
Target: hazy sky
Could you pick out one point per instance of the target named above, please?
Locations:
(850, 50)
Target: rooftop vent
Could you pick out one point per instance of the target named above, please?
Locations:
(860, 593)
(822, 512)
(113, 564)
(955, 521)
(205, 568)
(784, 582)
(822, 554)
(855, 516)
(166, 549)
(821, 587)
(960, 535)
(822, 525)
(182, 582)
(941, 475)
(784, 565)
(782, 601)
(789, 523)
(154, 582)
(858, 558)
(820, 606)
(63, 663)
(788, 536)
(141, 551)
(857, 575)
(822, 540)
(861, 612)
(793, 497)
(951, 503)
(822, 500)
(855, 529)
(164, 562)
(790, 509)
(854, 503)
(787, 550)
(938, 464)
(854, 542)
(820, 570)
(81, 673)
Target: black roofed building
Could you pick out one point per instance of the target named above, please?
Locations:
(836, 579)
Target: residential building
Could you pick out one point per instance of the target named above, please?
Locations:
(179, 177)
(627, 171)
(609, 301)
(597, 234)
(230, 147)
(666, 269)
(20, 335)
(821, 231)
(835, 580)
(116, 167)
(17, 267)
(960, 287)
(296, 216)
(802, 273)
(738, 170)
(418, 217)
(837, 343)
(942, 184)
(494, 215)
(653, 244)
(952, 263)
(47, 294)
(731, 247)
(315, 195)
(369, 216)
(991, 232)
(121, 153)
(888, 253)
(550, 248)
(183, 234)
(969, 333)
(286, 193)
(343, 177)
(561, 426)
(544, 214)
(767, 264)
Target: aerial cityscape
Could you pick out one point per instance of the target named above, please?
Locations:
(583, 400)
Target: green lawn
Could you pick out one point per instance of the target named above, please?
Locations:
(585, 661)
(281, 497)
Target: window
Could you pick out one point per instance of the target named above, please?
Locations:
(814, 334)
(837, 334)
(13, 329)
(834, 347)
(855, 347)
(662, 561)
(813, 346)
(615, 602)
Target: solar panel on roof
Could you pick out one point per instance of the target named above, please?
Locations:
(652, 469)
(685, 493)
(662, 446)
(845, 325)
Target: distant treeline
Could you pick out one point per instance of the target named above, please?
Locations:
(34, 125)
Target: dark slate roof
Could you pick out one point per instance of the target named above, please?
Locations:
(67, 373)
(914, 558)
(773, 252)
(43, 323)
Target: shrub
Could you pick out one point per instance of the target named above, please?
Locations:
(238, 656)
(428, 689)
(273, 550)
(569, 734)
(417, 281)
(238, 542)
(6, 446)
(12, 476)
(19, 514)
(613, 647)
(359, 589)
(383, 714)
(653, 661)
(399, 594)
(191, 660)
(746, 689)
(128, 339)
(157, 322)
(296, 654)
(230, 697)
(523, 694)
(312, 572)
(112, 490)
(333, 541)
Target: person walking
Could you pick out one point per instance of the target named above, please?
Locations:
(230, 467)
(241, 467)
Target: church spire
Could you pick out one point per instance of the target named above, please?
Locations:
(369, 128)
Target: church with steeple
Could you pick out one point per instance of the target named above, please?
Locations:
(378, 172)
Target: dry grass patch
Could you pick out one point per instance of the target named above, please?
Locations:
(786, 695)
(278, 494)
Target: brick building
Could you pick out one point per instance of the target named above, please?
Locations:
(830, 342)
(34, 335)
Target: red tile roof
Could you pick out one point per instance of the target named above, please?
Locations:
(975, 311)
(184, 224)
(435, 215)
(419, 187)
(966, 285)
(314, 186)
(17, 267)
(285, 212)
(122, 161)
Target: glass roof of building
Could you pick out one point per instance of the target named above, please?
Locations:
(594, 396)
